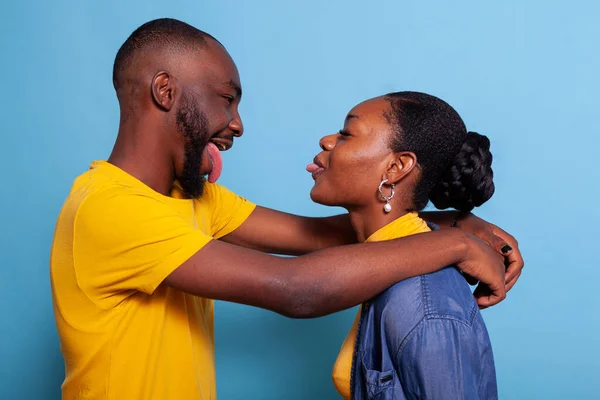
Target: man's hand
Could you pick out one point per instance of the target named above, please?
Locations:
(484, 264)
(504, 243)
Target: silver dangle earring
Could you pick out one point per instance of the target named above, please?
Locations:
(387, 207)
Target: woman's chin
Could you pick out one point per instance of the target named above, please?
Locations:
(319, 197)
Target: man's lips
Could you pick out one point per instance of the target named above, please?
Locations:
(223, 144)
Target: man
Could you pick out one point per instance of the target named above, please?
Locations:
(135, 262)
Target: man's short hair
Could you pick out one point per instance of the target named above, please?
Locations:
(156, 35)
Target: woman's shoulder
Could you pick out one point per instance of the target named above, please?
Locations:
(441, 294)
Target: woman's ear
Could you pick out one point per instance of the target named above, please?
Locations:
(400, 166)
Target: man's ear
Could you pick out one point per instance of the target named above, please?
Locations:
(400, 166)
(164, 88)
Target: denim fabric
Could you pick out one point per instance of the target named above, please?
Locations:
(424, 338)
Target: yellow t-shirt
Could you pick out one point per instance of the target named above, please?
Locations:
(408, 224)
(124, 335)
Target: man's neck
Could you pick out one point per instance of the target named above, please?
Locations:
(138, 152)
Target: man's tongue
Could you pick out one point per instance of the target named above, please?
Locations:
(217, 163)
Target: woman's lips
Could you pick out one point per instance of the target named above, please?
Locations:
(315, 170)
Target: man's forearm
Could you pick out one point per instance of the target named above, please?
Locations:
(319, 283)
(275, 232)
(337, 278)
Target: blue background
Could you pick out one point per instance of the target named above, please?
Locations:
(523, 73)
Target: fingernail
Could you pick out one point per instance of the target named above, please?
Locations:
(505, 249)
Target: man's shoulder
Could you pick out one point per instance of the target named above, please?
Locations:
(87, 202)
(94, 193)
(91, 186)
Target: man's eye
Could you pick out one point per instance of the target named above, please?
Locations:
(228, 98)
(344, 133)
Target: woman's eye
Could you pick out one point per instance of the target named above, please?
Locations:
(344, 133)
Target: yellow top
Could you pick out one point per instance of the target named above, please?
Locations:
(124, 335)
(408, 224)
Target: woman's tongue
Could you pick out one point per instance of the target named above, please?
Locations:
(312, 167)
(217, 162)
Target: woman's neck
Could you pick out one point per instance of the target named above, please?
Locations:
(366, 221)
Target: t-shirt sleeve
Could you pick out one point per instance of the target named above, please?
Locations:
(228, 209)
(126, 241)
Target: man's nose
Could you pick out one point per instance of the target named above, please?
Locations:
(237, 127)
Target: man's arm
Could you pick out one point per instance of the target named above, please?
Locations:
(155, 246)
(446, 359)
(497, 238)
(333, 279)
(277, 232)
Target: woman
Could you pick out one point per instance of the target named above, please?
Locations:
(424, 337)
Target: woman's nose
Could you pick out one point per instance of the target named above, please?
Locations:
(327, 143)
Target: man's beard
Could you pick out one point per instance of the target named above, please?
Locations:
(193, 125)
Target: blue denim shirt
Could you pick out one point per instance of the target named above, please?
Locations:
(423, 338)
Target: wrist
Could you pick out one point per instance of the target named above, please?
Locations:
(463, 242)
(457, 244)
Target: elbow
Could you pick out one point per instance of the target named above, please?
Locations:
(304, 299)
(300, 310)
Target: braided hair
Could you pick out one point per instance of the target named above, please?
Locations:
(456, 165)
